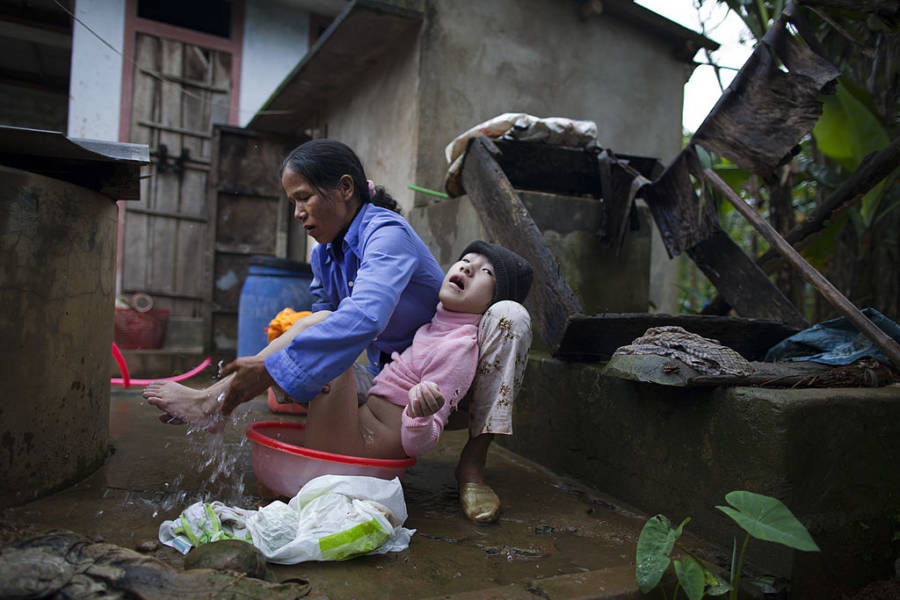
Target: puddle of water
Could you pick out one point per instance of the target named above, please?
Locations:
(212, 466)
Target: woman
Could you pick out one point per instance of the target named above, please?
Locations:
(380, 283)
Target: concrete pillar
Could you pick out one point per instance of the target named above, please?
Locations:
(58, 243)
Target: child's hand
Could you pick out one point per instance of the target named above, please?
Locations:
(425, 399)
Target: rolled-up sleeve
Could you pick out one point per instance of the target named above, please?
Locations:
(325, 350)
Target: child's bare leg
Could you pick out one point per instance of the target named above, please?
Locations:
(335, 422)
(332, 418)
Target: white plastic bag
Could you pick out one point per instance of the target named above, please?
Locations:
(332, 517)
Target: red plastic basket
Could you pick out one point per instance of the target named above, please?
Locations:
(141, 330)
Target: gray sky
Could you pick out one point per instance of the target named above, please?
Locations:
(702, 90)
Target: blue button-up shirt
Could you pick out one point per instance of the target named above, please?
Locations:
(382, 284)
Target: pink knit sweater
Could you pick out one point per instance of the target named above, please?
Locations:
(444, 351)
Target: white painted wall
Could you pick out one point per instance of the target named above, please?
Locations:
(276, 36)
(96, 77)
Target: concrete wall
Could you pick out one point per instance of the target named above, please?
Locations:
(829, 454)
(481, 59)
(96, 77)
(380, 121)
(58, 243)
(276, 36)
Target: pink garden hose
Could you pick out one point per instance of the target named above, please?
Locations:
(127, 381)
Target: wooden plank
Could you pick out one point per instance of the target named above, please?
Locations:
(596, 337)
(193, 132)
(145, 93)
(199, 85)
(163, 255)
(862, 323)
(561, 169)
(220, 104)
(168, 192)
(247, 222)
(684, 219)
(741, 282)
(551, 301)
(188, 268)
(193, 193)
(171, 215)
(230, 273)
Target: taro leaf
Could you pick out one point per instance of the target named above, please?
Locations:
(690, 576)
(654, 545)
(766, 518)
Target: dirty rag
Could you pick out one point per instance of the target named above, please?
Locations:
(834, 342)
(527, 128)
(706, 356)
(332, 517)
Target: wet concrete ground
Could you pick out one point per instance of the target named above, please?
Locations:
(555, 538)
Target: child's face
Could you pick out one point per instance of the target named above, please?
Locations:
(468, 285)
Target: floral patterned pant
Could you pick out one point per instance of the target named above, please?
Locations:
(504, 338)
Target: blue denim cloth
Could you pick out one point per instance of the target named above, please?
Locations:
(834, 342)
(382, 284)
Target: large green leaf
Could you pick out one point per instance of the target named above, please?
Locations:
(690, 576)
(848, 130)
(653, 548)
(766, 518)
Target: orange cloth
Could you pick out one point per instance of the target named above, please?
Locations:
(283, 321)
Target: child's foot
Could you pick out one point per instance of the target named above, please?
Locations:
(182, 404)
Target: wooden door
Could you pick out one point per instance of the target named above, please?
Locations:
(252, 216)
(179, 91)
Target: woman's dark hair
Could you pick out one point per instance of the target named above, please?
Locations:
(323, 162)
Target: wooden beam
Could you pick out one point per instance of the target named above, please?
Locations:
(551, 301)
(873, 170)
(741, 282)
(862, 323)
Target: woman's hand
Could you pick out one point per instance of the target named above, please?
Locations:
(425, 399)
(250, 379)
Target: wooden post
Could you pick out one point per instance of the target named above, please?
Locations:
(884, 342)
(551, 301)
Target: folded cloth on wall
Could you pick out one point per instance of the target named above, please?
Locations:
(527, 128)
(706, 356)
(834, 342)
(332, 517)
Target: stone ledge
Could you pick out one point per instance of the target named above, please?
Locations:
(829, 454)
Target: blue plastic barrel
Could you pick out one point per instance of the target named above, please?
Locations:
(272, 284)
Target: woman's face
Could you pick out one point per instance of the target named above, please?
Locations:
(323, 215)
(468, 285)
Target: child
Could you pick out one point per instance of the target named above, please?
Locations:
(411, 399)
